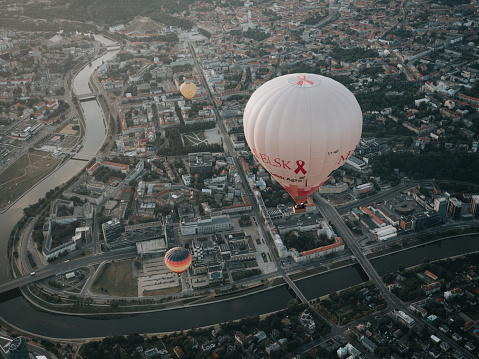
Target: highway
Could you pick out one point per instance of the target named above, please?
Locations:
(64, 267)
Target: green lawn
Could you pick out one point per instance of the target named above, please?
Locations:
(116, 279)
(21, 175)
(163, 291)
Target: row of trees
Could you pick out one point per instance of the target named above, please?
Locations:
(197, 126)
(305, 241)
(460, 166)
(275, 194)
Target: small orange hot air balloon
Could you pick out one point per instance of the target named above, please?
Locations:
(178, 259)
(188, 90)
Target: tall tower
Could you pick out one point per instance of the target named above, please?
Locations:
(440, 206)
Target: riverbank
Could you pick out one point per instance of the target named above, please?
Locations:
(76, 305)
(417, 242)
(185, 317)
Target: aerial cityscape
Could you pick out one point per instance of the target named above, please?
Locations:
(239, 179)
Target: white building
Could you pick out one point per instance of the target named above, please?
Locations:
(205, 225)
(356, 163)
(385, 233)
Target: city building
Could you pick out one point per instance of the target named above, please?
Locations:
(111, 230)
(151, 247)
(205, 225)
(26, 131)
(454, 208)
(356, 164)
(403, 318)
(406, 223)
(364, 188)
(425, 220)
(333, 188)
(385, 233)
(348, 351)
(144, 231)
(239, 247)
(200, 162)
(368, 344)
(440, 206)
(475, 206)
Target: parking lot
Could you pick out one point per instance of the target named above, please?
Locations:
(156, 276)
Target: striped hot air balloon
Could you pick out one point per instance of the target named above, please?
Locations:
(178, 259)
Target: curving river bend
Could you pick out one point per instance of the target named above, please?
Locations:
(16, 310)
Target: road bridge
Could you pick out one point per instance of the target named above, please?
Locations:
(88, 96)
(64, 267)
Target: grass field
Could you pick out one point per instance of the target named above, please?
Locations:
(116, 279)
(142, 25)
(195, 138)
(171, 290)
(21, 175)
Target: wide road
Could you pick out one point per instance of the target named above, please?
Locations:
(329, 212)
(64, 267)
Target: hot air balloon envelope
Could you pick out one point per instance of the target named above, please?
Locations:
(178, 259)
(301, 127)
(188, 90)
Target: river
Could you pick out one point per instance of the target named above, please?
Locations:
(94, 137)
(18, 311)
(63, 326)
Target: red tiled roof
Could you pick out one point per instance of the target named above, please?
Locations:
(339, 242)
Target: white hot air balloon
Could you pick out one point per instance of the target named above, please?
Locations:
(302, 127)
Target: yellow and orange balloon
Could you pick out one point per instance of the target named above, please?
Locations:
(188, 90)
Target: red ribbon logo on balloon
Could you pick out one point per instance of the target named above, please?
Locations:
(302, 80)
(300, 167)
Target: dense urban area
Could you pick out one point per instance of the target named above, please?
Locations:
(91, 88)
